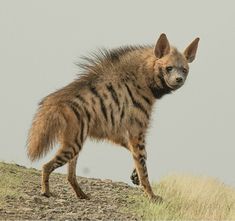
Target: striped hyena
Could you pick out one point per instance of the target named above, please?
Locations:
(112, 100)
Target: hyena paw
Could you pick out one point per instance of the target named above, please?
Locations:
(134, 178)
(84, 196)
(46, 194)
(156, 199)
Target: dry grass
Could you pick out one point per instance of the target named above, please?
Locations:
(189, 198)
(11, 178)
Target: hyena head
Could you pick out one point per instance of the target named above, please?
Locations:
(171, 67)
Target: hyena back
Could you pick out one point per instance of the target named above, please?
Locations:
(112, 100)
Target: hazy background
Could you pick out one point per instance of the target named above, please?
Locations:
(192, 130)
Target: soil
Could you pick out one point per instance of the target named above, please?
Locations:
(108, 200)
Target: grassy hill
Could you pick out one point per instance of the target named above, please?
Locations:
(185, 197)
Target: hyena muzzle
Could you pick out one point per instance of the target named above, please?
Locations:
(111, 100)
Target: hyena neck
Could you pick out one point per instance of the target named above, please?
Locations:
(154, 81)
(159, 88)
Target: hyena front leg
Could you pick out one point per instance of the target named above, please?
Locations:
(140, 143)
(140, 156)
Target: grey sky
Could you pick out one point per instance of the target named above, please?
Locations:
(192, 130)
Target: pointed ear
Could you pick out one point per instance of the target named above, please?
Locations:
(190, 51)
(162, 46)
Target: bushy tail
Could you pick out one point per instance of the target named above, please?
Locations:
(47, 125)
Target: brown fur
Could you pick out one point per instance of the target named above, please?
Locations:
(112, 100)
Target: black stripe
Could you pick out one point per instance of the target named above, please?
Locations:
(139, 122)
(60, 159)
(143, 96)
(134, 173)
(142, 162)
(81, 133)
(146, 99)
(80, 98)
(74, 150)
(136, 103)
(122, 114)
(77, 143)
(112, 118)
(102, 106)
(59, 164)
(141, 146)
(94, 110)
(88, 117)
(142, 156)
(132, 74)
(87, 114)
(159, 90)
(113, 94)
(140, 136)
(74, 107)
(68, 155)
(129, 92)
(79, 146)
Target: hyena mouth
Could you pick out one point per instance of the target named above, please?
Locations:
(166, 84)
(173, 87)
(169, 85)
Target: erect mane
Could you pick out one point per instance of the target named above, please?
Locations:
(93, 63)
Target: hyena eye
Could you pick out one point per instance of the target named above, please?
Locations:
(169, 68)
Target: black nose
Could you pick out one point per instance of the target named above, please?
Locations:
(179, 79)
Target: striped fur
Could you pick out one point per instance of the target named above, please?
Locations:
(111, 100)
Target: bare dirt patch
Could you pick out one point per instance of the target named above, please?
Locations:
(20, 197)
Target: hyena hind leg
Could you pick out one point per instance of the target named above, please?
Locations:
(64, 155)
(73, 180)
